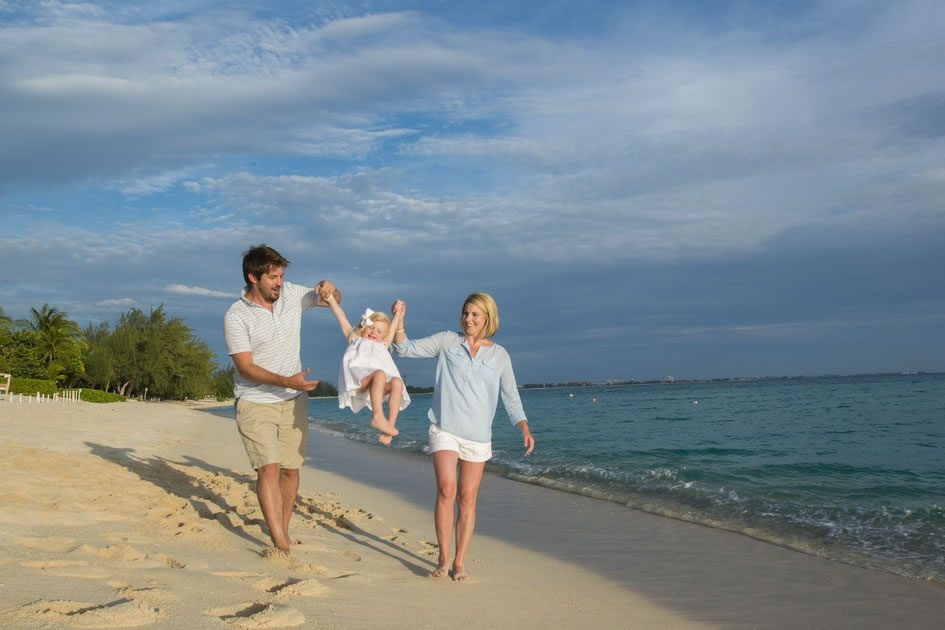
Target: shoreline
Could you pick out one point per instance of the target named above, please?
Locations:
(650, 554)
(798, 542)
(138, 514)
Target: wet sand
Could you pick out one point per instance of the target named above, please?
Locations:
(703, 574)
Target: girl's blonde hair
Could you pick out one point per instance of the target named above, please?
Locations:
(485, 303)
(376, 316)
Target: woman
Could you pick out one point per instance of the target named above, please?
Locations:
(471, 373)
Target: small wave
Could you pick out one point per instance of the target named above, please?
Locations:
(850, 536)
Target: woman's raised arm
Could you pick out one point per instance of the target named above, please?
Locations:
(396, 333)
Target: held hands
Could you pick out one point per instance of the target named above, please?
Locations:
(297, 381)
(398, 310)
(327, 291)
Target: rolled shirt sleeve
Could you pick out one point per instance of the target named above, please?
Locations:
(467, 389)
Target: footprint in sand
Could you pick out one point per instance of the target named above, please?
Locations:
(253, 616)
(146, 595)
(121, 613)
(354, 578)
(283, 589)
(131, 556)
(67, 568)
(50, 544)
(242, 575)
(286, 561)
(396, 535)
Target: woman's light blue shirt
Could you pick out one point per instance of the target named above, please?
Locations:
(467, 388)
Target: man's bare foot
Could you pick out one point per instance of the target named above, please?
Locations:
(275, 553)
(381, 424)
(441, 570)
(459, 574)
(385, 439)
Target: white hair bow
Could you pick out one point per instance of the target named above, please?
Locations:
(366, 321)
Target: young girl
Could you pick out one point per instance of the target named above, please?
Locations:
(368, 374)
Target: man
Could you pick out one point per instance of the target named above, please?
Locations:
(262, 332)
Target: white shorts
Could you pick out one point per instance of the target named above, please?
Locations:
(469, 451)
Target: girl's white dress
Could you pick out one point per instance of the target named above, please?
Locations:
(362, 357)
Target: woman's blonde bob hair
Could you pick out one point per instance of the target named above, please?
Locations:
(485, 303)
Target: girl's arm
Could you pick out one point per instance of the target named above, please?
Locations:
(339, 314)
(396, 324)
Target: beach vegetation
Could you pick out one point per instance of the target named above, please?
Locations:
(33, 386)
(414, 389)
(323, 390)
(221, 385)
(20, 355)
(98, 396)
(6, 322)
(145, 355)
(153, 355)
(59, 343)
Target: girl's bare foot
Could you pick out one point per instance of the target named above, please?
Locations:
(459, 574)
(441, 570)
(385, 439)
(381, 424)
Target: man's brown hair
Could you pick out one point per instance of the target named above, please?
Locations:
(259, 260)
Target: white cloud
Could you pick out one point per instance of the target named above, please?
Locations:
(181, 289)
(150, 184)
(119, 302)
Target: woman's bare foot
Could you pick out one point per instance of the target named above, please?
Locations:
(385, 439)
(441, 570)
(381, 424)
(459, 574)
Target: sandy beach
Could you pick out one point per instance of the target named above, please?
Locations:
(144, 515)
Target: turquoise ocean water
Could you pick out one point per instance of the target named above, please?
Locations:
(849, 468)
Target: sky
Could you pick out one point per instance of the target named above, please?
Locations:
(647, 189)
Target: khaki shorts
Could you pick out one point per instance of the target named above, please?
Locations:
(274, 433)
(469, 451)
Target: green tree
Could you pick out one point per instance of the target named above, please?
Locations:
(323, 389)
(100, 365)
(6, 338)
(123, 345)
(156, 356)
(59, 342)
(21, 355)
(222, 384)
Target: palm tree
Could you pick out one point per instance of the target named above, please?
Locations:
(56, 335)
(6, 322)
